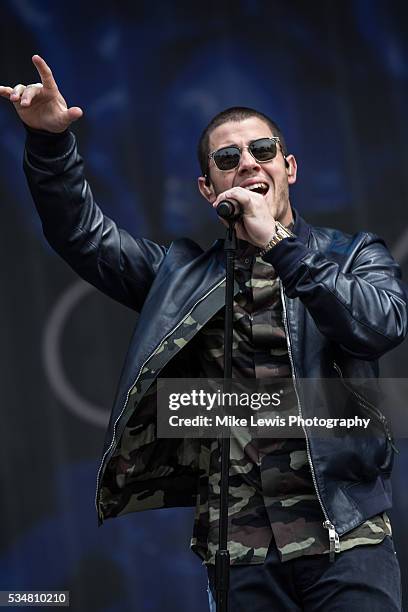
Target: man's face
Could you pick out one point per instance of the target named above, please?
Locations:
(274, 175)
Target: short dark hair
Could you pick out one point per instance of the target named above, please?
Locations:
(235, 113)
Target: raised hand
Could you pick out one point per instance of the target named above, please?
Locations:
(41, 105)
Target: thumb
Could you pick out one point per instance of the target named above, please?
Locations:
(74, 113)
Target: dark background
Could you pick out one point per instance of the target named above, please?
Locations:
(149, 76)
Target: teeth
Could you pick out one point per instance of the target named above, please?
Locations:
(257, 186)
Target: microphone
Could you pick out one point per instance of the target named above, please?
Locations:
(229, 210)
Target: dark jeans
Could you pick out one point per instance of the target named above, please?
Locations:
(362, 579)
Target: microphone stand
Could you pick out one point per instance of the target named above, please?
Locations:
(222, 557)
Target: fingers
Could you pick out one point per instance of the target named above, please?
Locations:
(29, 93)
(16, 92)
(21, 93)
(26, 93)
(74, 113)
(5, 91)
(45, 72)
(242, 196)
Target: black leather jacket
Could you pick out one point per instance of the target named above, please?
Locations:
(343, 301)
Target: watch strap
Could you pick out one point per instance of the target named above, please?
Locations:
(281, 232)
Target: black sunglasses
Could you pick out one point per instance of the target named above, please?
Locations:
(262, 149)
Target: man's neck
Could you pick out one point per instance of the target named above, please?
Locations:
(287, 217)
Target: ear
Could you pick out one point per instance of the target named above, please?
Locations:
(206, 189)
(291, 168)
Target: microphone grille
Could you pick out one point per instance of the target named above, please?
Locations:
(224, 210)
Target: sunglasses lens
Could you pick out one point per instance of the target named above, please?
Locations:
(227, 158)
(263, 149)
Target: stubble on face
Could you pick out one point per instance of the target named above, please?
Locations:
(241, 133)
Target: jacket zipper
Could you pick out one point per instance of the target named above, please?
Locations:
(334, 541)
(134, 383)
(368, 406)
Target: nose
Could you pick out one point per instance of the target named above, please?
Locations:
(247, 162)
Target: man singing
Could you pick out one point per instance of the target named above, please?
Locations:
(307, 522)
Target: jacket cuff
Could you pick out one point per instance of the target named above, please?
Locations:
(285, 256)
(48, 144)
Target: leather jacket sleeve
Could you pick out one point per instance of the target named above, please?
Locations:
(356, 297)
(106, 256)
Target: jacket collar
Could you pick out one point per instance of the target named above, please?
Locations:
(301, 228)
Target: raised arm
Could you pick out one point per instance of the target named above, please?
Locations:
(108, 257)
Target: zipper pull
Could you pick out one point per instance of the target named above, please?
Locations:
(334, 541)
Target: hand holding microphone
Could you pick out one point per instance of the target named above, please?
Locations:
(254, 221)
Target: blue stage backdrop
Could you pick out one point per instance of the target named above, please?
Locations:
(149, 76)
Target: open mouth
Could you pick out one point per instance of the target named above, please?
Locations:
(261, 188)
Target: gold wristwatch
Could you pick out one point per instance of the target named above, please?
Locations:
(281, 232)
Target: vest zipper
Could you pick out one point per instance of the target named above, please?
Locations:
(106, 453)
(334, 541)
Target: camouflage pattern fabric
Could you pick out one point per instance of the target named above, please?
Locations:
(143, 472)
(271, 491)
